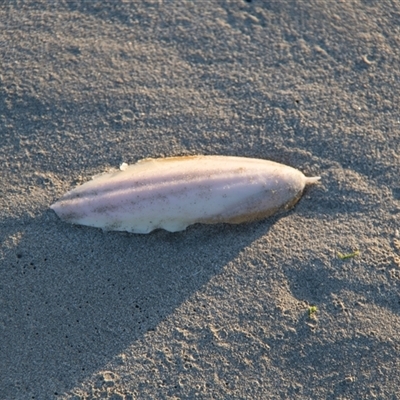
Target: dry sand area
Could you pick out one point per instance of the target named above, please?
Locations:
(265, 310)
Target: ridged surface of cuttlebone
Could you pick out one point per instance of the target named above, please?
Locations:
(172, 193)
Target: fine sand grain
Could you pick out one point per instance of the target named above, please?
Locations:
(214, 312)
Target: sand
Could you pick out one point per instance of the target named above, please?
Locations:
(214, 312)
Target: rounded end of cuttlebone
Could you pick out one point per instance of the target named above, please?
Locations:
(314, 179)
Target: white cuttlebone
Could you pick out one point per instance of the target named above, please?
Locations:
(173, 193)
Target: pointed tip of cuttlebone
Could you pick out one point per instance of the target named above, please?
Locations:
(312, 180)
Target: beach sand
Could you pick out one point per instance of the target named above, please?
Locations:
(265, 310)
